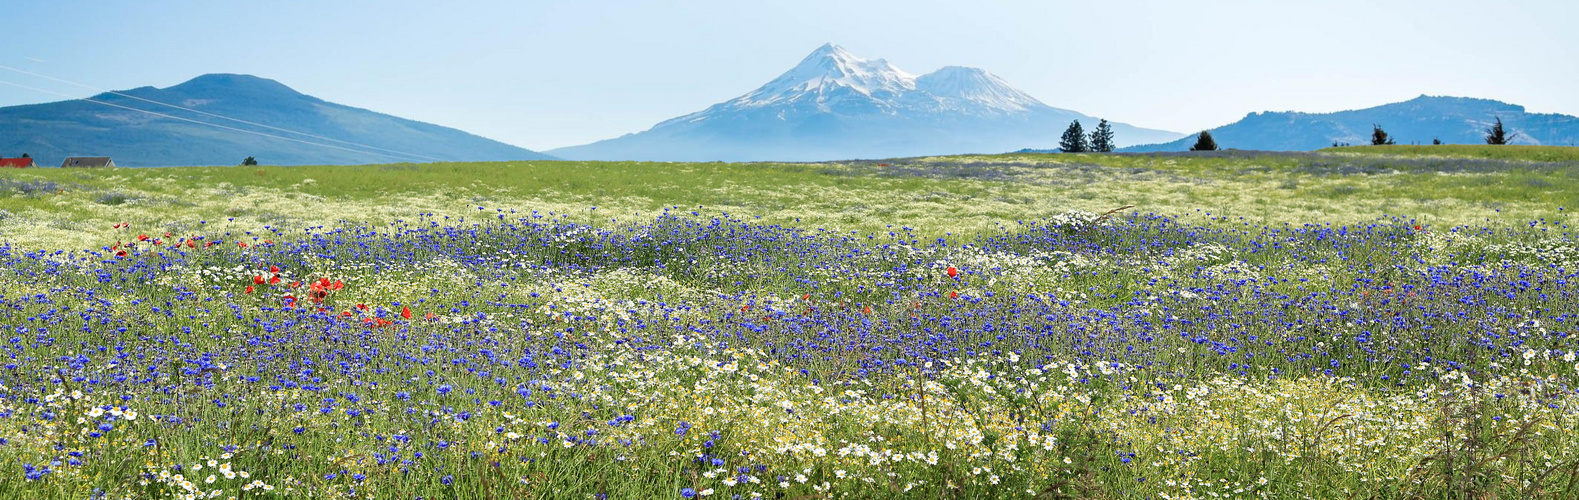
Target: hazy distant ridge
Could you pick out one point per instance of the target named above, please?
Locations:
(52, 131)
(1454, 120)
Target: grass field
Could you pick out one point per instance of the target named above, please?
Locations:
(1340, 324)
(1552, 154)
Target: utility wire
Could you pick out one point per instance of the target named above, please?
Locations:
(215, 125)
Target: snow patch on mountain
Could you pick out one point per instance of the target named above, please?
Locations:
(834, 104)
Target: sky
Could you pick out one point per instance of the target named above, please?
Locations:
(543, 75)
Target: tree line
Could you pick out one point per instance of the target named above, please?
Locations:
(1075, 139)
(1496, 135)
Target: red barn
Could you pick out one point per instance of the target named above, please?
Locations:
(17, 162)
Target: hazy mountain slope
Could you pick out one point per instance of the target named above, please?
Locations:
(1454, 120)
(52, 131)
(834, 105)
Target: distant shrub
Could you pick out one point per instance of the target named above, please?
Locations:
(1102, 138)
(1379, 137)
(1204, 142)
(1074, 140)
(112, 198)
(1497, 136)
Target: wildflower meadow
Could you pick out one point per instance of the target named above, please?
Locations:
(1338, 324)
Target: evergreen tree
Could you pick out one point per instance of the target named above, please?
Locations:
(1379, 136)
(1102, 138)
(250, 161)
(1436, 142)
(1204, 142)
(1497, 136)
(24, 155)
(1074, 140)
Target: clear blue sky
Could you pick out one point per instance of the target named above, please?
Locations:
(549, 74)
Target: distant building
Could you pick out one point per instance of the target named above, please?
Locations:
(17, 162)
(88, 162)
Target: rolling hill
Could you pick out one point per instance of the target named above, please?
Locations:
(52, 131)
(1454, 120)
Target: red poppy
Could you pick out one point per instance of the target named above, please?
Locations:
(805, 297)
(121, 253)
(274, 281)
(257, 280)
(953, 295)
(249, 289)
(745, 308)
(142, 237)
(211, 243)
(405, 312)
(274, 269)
(866, 310)
(191, 243)
(242, 243)
(290, 300)
(431, 316)
(1417, 227)
(953, 273)
(338, 284)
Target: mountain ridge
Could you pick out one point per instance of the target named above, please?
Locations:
(78, 127)
(1453, 119)
(834, 105)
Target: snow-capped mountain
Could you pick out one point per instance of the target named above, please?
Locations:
(835, 105)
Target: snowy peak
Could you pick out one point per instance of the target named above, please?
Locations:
(834, 104)
(829, 69)
(833, 80)
(974, 86)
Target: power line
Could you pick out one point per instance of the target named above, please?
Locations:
(215, 125)
(222, 117)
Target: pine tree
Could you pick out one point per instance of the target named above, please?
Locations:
(1204, 142)
(1102, 138)
(1379, 136)
(24, 155)
(1074, 140)
(250, 161)
(1436, 141)
(1497, 136)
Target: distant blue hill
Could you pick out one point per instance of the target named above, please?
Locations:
(52, 131)
(1454, 120)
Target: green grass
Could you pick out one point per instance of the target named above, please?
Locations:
(1195, 427)
(62, 208)
(1485, 151)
